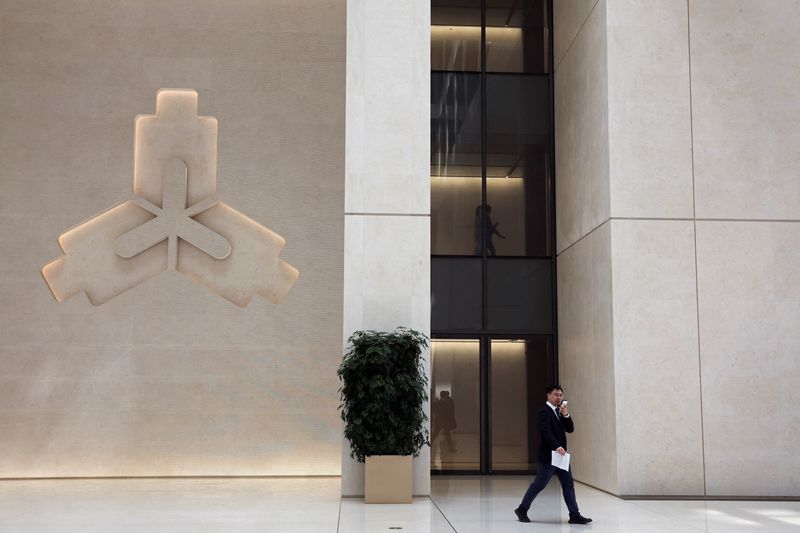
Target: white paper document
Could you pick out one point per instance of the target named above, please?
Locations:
(560, 461)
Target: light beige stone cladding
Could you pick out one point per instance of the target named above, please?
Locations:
(586, 356)
(387, 197)
(649, 128)
(659, 430)
(581, 133)
(745, 74)
(749, 288)
(569, 17)
(702, 229)
(746, 124)
(170, 379)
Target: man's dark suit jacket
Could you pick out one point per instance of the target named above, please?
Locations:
(553, 429)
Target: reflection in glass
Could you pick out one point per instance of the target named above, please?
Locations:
(455, 404)
(455, 124)
(506, 229)
(485, 228)
(455, 161)
(520, 294)
(456, 35)
(456, 48)
(517, 36)
(520, 371)
(518, 155)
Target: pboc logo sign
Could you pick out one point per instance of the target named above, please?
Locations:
(173, 222)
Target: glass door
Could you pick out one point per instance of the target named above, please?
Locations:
(485, 392)
(520, 370)
(455, 405)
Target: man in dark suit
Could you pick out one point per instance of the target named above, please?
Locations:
(554, 424)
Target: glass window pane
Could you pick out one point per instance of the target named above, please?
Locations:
(520, 372)
(455, 404)
(517, 36)
(518, 165)
(456, 35)
(520, 294)
(455, 162)
(455, 293)
(518, 214)
(455, 204)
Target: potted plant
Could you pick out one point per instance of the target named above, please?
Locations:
(384, 387)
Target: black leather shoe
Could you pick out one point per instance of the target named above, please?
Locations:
(522, 515)
(578, 519)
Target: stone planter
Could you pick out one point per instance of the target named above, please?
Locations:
(387, 479)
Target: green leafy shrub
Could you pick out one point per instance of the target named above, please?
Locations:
(383, 389)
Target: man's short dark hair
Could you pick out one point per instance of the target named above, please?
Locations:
(551, 388)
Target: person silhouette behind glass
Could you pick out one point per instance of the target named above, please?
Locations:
(491, 230)
(444, 420)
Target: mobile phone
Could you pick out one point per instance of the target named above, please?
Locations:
(564, 403)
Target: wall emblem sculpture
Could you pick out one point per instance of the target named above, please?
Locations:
(173, 222)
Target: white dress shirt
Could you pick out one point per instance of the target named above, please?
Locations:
(555, 409)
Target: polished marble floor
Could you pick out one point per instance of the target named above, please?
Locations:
(460, 504)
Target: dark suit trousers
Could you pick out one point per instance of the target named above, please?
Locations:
(543, 474)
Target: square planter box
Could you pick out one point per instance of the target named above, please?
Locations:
(387, 479)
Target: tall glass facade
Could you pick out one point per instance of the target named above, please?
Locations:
(492, 199)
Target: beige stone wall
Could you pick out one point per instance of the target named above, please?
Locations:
(585, 350)
(746, 123)
(170, 378)
(702, 131)
(586, 357)
(659, 430)
(581, 133)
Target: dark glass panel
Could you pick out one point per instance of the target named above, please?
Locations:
(455, 293)
(519, 294)
(520, 372)
(455, 404)
(455, 163)
(456, 35)
(517, 36)
(518, 165)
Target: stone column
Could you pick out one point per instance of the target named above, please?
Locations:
(387, 187)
